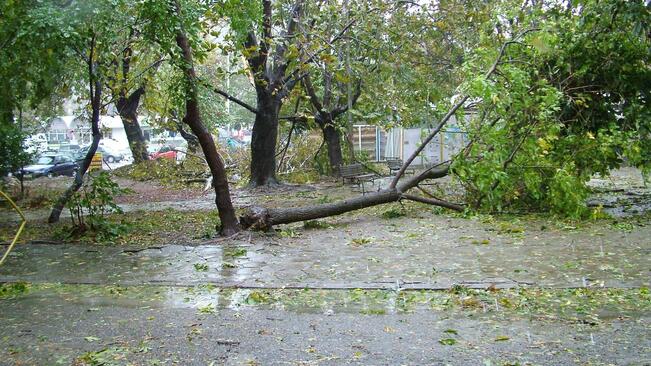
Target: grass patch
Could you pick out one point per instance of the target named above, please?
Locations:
(316, 224)
(133, 228)
(12, 290)
(393, 213)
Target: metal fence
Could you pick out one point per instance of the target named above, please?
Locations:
(400, 143)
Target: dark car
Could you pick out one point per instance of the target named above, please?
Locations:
(108, 156)
(51, 165)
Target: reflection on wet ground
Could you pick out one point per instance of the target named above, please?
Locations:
(425, 252)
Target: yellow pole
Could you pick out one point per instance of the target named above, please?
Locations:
(20, 229)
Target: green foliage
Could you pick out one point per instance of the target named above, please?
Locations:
(299, 164)
(90, 206)
(393, 213)
(361, 241)
(200, 267)
(163, 170)
(235, 252)
(577, 107)
(289, 233)
(103, 357)
(11, 290)
(448, 341)
(12, 154)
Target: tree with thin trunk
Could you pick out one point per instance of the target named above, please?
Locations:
(95, 96)
(229, 222)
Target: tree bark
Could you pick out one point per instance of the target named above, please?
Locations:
(229, 223)
(325, 114)
(128, 110)
(263, 219)
(269, 69)
(333, 142)
(263, 142)
(192, 140)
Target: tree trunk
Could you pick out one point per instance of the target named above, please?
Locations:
(263, 142)
(128, 110)
(229, 223)
(333, 141)
(60, 204)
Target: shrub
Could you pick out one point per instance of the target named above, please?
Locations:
(90, 206)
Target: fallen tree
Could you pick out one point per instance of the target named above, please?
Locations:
(264, 218)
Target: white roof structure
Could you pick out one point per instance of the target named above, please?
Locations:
(110, 122)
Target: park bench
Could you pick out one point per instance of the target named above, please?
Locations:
(394, 165)
(356, 174)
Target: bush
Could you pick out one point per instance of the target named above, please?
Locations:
(90, 206)
(12, 154)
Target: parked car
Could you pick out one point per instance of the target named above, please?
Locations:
(51, 165)
(109, 156)
(165, 152)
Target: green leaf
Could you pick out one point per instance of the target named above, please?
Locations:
(448, 341)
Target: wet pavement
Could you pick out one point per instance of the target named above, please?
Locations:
(623, 194)
(157, 325)
(419, 252)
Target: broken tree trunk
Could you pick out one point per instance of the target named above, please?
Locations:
(262, 218)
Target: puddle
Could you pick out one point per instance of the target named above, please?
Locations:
(623, 203)
(623, 194)
(590, 304)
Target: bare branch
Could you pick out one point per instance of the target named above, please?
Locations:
(433, 201)
(228, 96)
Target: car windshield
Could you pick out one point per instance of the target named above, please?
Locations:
(45, 160)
